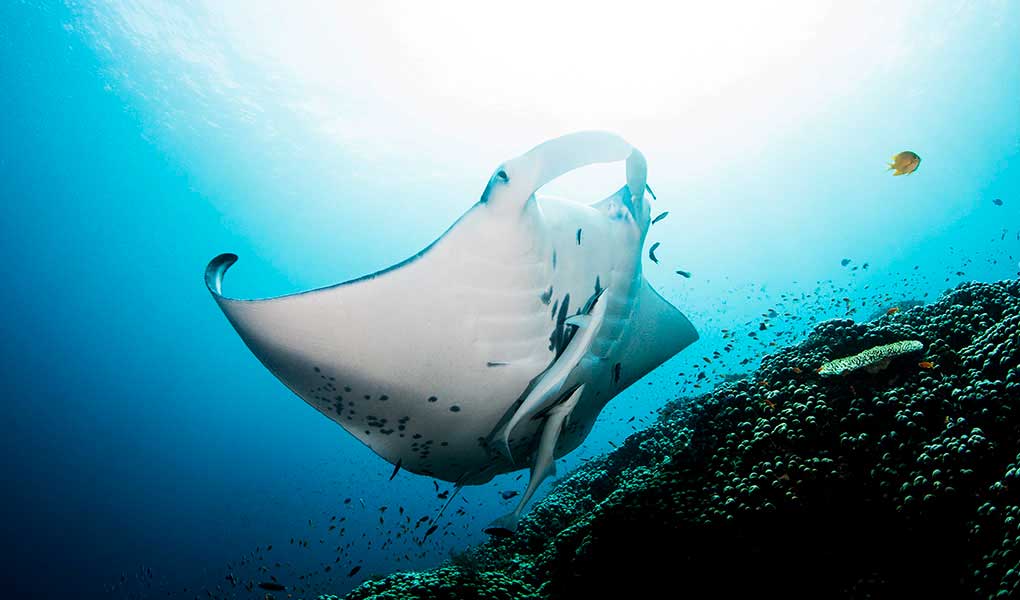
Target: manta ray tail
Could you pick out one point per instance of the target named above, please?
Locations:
(433, 524)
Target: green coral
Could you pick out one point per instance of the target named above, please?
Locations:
(872, 359)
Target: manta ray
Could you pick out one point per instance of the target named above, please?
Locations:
(497, 346)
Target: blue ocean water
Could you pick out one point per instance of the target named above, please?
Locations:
(148, 452)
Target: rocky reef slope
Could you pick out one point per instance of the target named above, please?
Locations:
(897, 479)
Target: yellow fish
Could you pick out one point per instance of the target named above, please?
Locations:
(904, 163)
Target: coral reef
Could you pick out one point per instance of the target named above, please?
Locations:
(900, 483)
(904, 304)
(445, 582)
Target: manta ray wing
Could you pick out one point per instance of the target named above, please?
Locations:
(401, 359)
(657, 330)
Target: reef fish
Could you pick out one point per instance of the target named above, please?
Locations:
(272, 586)
(400, 358)
(904, 163)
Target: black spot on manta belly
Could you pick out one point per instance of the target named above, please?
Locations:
(547, 295)
(616, 373)
(493, 363)
(578, 236)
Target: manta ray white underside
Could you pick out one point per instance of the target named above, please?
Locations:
(496, 347)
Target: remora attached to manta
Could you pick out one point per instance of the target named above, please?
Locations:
(494, 348)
